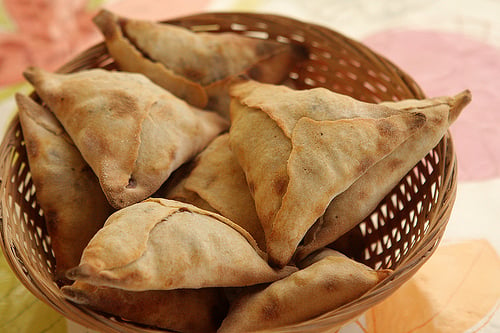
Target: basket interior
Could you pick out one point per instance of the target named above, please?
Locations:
(407, 224)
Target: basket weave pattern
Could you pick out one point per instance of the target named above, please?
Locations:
(400, 234)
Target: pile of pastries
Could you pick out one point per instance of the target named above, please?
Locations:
(191, 190)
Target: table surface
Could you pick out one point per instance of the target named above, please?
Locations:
(446, 46)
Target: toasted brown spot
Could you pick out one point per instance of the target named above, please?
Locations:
(300, 280)
(330, 284)
(394, 164)
(172, 154)
(121, 103)
(131, 276)
(385, 128)
(420, 119)
(280, 186)
(271, 311)
(383, 147)
(362, 195)
(267, 217)
(364, 164)
(67, 101)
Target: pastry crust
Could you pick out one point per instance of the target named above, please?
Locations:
(215, 181)
(181, 310)
(132, 133)
(196, 67)
(161, 244)
(326, 283)
(67, 190)
(298, 158)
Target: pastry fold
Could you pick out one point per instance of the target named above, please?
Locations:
(196, 67)
(181, 310)
(300, 153)
(162, 244)
(216, 182)
(323, 284)
(353, 205)
(131, 132)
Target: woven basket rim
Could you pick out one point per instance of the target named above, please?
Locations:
(405, 269)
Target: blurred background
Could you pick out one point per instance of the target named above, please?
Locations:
(445, 45)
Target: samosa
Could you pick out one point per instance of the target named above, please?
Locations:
(195, 66)
(300, 149)
(326, 281)
(361, 198)
(131, 132)
(180, 310)
(67, 189)
(215, 181)
(161, 244)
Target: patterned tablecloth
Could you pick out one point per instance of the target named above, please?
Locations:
(446, 45)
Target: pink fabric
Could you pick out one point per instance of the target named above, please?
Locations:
(158, 10)
(47, 33)
(50, 32)
(445, 63)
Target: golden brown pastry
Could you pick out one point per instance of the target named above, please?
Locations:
(298, 158)
(66, 188)
(161, 244)
(322, 285)
(197, 67)
(180, 310)
(215, 181)
(132, 133)
(361, 198)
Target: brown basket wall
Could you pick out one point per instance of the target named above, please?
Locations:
(402, 233)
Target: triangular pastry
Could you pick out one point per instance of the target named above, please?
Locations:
(197, 67)
(67, 190)
(161, 244)
(294, 168)
(361, 198)
(132, 133)
(180, 310)
(215, 181)
(322, 285)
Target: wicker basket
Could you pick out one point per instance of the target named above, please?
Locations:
(402, 233)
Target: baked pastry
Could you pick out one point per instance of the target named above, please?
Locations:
(180, 310)
(132, 133)
(352, 206)
(197, 67)
(298, 158)
(161, 244)
(216, 182)
(323, 284)
(67, 189)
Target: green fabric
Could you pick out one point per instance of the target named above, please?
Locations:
(20, 311)
(95, 4)
(9, 91)
(5, 22)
